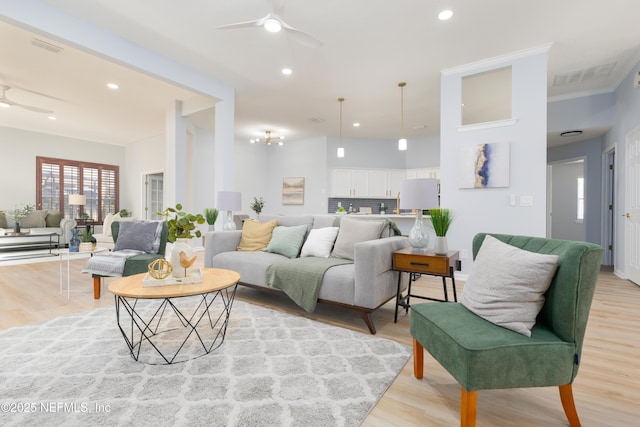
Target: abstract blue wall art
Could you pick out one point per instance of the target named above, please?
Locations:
(484, 165)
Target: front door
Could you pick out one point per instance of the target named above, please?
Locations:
(632, 213)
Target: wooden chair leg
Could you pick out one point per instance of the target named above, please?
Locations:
(418, 359)
(468, 404)
(96, 288)
(566, 397)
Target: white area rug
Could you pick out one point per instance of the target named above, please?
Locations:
(273, 369)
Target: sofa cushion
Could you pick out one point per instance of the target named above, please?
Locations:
(353, 231)
(506, 285)
(287, 241)
(53, 219)
(256, 235)
(251, 265)
(320, 242)
(34, 219)
(137, 235)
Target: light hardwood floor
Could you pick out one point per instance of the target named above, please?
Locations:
(606, 390)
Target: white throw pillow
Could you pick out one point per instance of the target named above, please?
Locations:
(106, 224)
(320, 242)
(507, 285)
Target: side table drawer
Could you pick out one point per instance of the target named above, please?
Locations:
(421, 264)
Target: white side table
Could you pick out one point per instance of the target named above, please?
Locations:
(65, 254)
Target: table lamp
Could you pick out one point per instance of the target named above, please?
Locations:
(419, 194)
(229, 201)
(77, 200)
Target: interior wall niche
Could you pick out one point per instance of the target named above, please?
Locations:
(486, 96)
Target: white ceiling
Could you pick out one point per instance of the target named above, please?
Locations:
(369, 46)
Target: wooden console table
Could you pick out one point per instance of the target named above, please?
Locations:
(419, 263)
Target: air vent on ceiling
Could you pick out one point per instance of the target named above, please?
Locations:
(587, 74)
(46, 46)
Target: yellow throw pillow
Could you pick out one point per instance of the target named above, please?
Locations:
(256, 235)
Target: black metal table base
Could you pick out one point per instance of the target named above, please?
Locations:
(163, 332)
(405, 300)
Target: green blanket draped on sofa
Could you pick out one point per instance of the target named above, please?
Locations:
(300, 278)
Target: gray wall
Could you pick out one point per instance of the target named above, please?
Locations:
(19, 149)
(592, 152)
(579, 113)
(564, 201)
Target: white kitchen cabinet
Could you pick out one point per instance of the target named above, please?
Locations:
(349, 183)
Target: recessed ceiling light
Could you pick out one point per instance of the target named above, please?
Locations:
(570, 133)
(445, 14)
(286, 71)
(355, 125)
(113, 86)
(52, 118)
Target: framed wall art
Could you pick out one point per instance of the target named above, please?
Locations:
(293, 191)
(484, 165)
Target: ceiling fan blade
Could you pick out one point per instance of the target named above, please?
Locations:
(302, 37)
(28, 107)
(254, 23)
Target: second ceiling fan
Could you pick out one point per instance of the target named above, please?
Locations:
(273, 23)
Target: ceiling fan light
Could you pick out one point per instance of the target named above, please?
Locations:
(402, 144)
(272, 25)
(341, 152)
(4, 104)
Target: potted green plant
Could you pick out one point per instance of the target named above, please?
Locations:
(257, 206)
(182, 227)
(211, 215)
(86, 242)
(124, 213)
(441, 219)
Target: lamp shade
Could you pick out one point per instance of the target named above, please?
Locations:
(419, 193)
(229, 200)
(77, 199)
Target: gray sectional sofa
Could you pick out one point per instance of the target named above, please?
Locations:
(364, 285)
(38, 222)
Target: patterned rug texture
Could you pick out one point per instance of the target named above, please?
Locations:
(273, 369)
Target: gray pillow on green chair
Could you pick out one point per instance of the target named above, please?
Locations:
(137, 235)
(287, 241)
(506, 285)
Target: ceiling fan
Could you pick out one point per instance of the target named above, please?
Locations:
(273, 23)
(5, 102)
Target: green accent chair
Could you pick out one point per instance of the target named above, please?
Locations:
(483, 356)
(136, 264)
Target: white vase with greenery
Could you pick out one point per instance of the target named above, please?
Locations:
(441, 219)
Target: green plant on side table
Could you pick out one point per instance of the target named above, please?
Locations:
(441, 219)
(86, 239)
(211, 215)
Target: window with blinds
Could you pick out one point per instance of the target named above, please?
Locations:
(56, 179)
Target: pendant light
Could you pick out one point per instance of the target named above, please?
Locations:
(402, 142)
(340, 147)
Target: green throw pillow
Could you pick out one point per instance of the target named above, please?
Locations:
(287, 241)
(53, 219)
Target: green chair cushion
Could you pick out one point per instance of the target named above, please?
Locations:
(481, 355)
(139, 264)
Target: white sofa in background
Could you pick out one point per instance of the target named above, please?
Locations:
(37, 222)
